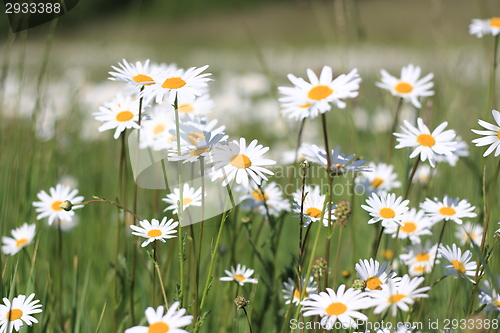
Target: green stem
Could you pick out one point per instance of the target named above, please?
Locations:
(390, 148)
(330, 185)
(491, 88)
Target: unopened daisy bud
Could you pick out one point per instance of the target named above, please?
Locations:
(342, 212)
(388, 254)
(245, 219)
(241, 302)
(319, 266)
(359, 284)
(66, 205)
(305, 164)
(346, 274)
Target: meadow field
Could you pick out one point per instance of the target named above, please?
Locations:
(402, 210)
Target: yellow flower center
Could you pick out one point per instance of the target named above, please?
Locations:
(426, 140)
(409, 227)
(377, 182)
(497, 303)
(158, 129)
(297, 292)
(396, 298)
(159, 327)
(186, 201)
(21, 242)
(186, 108)
(313, 212)
(239, 278)
(346, 273)
(124, 116)
(336, 309)
(498, 134)
(257, 195)
(14, 314)
(459, 267)
(387, 213)
(448, 211)
(193, 137)
(419, 269)
(403, 87)
(495, 22)
(198, 151)
(56, 205)
(387, 254)
(154, 233)
(240, 161)
(305, 105)
(373, 283)
(422, 256)
(140, 78)
(319, 92)
(173, 83)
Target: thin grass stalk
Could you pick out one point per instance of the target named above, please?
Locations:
(485, 232)
(110, 202)
(337, 256)
(121, 166)
(301, 226)
(200, 239)
(330, 185)
(248, 320)
(61, 275)
(390, 147)
(491, 89)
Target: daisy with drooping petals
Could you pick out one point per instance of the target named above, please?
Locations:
(50, 205)
(240, 275)
(469, 232)
(459, 263)
(235, 160)
(419, 257)
(337, 306)
(172, 321)
(190, 197)
(178, 83)
(155, 230)
(310, 99)
(339, 163)
(491, 136)
(373, 274)
(449, 209)
(396, 295)
(22, 237)
(381, 178)
(386, 208)
(483, 27)
(427, 144)
(415, 224)
(293, 294)
(313, 205)
(409, 86)
(138, 74)
(122, 113)
(12, 315)
(273, 197)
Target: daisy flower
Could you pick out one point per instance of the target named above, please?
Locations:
(292, 293)
(461, 150)
(120, 114)
(22, 237)
(172, 321)
(155, 129)
(419, 257)
(190, 197)
(241, 275)
(489, 296)
(386, 208)
(381, 178)
(199, 106)
(483, 27)
(459, 263)
(427, 144)
(423, 174)
(374, 275)
(237, 161)
(339, 163)
(448, 209)
(273, 196)
(50, 205)
(469, 231)
(314, 202)
(12, 315)
(155, 230)
(182, 84)
(409, 86)
(337, 306)
(415, 224)
(310, 99)
(491, 135)
(138, 74)
(396, 295)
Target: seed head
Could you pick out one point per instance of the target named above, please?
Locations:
(359, 284)
(241, 302)
(342, 212)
